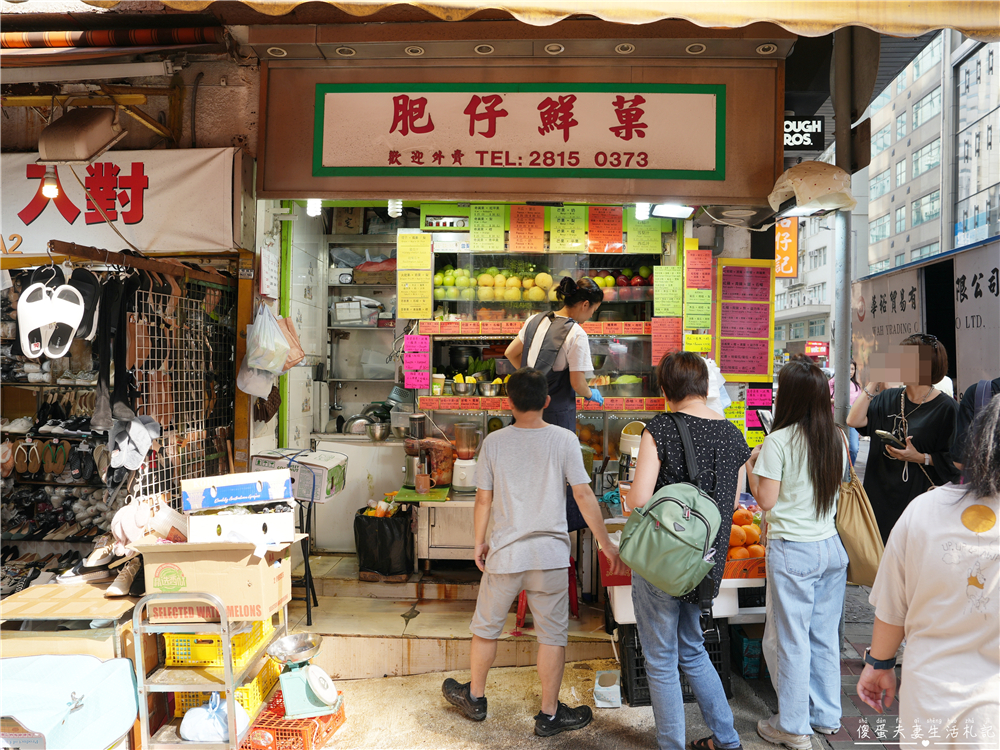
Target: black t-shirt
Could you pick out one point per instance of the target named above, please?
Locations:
(932, 427)
(719, 445)
(966, 414)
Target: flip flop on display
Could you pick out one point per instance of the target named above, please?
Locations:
(67, 312)
(34, 313)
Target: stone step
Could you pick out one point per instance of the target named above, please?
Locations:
(337, 575)
(367, 637)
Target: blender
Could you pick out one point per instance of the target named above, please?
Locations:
(468, 438)
(305, 688)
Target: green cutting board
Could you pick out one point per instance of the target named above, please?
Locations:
(436, 495)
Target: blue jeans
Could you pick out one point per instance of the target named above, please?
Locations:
(806, 582)
(854, 444)
(670, 633)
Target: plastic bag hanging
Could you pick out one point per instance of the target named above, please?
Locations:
(267, 347)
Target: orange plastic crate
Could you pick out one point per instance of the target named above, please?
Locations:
(250, 696)
(272, 731)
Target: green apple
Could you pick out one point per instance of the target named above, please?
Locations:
(492, 271)
(627, 273)
(439, 279)
(448, 267)
(449, 281)
(451, 293)
(645, 272)
(468, 294)
(439, 292)
(462, 281)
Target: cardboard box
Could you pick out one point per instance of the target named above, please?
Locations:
(317, 476)
(751, 568)
(258, 528)
(252, 587)
(207, 493)
(610, 580)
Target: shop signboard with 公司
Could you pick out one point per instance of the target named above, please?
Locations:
(885, 310)
(977, 314)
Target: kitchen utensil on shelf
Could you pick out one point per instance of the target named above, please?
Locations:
(437, 452)
(418, 426)
(628, 449)
(424, 483)
(463, 389)
(598, 360)
(400, 422)
(468, 438)
(305, 688)
(356, 425)
(490, 390)
(411, 467)
(378, 431)
(459, 356)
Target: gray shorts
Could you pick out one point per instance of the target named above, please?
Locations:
(548, 600)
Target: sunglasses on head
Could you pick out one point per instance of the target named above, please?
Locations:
(926, 338)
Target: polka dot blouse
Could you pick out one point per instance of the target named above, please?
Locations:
(719, 445)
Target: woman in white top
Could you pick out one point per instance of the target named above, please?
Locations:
(557, 345)
(795, 476)
(937, 587)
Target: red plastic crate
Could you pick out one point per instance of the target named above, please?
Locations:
(272, 731)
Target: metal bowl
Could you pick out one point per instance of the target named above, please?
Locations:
(378, 431)
(293, 649)
(401, 432)
(598, 360)
(463, 389)
(490, 389)
(626, 390)
(356, 425)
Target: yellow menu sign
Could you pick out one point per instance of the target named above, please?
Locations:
(415, 294)
(486, 227)
(667, 291)
(567, 230)
(413, 252)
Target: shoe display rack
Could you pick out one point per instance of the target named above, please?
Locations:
(199, 679)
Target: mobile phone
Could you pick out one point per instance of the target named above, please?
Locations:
(766, 420)
(888, 437)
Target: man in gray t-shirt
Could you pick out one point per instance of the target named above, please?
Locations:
(521, 478)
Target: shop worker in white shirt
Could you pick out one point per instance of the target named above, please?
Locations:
(520, 478)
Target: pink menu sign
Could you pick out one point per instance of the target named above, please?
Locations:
(744, 356)
(416, 343)
(416, 380)
(746, 283)
(745, 319)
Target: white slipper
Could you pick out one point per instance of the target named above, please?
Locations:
(67, 312)
(34, 317)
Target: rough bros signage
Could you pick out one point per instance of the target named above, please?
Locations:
(649, 131)
(804, 134)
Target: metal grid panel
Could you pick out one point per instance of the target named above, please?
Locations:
(183, 378)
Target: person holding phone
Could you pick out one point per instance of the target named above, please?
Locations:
(911, 428)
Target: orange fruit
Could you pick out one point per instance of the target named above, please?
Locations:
(752, 533)
(742, 517)
(737, 536)
(738, 553)
(755, 550)
(586, 433)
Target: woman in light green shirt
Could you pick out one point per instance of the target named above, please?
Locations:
(795, 477)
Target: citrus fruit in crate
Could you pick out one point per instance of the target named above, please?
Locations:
(742, 517)
(752, 532)
(755, 550)
(737, 536)
(738, 553)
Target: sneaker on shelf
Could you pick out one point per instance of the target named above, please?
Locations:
(19, 426)
(80, 573)
(123, 583)
(458, 694)
(768, 730)
(566, 719)
(103, 553)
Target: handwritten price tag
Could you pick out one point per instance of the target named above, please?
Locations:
(579, 404)
(471, 328)
(759, 398)
(736, 410)
(450, 402)
(591, 406)
(469, 403)
(656, 404)
(647, 328)
(591, 328)
(753, 420)
(429, 403)
(755, 437)
(417, 360)
(491, 404)
(634, 404)
(511, 327)
(614, 404)
(452, 327)
(416, 380)
(613, 328)
(492, 329)
(417, 343)
(429, 327)
(633, 328)
(697, 342)
(505, 404)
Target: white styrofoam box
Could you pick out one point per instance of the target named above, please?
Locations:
(316, 475)
(725, 605)
(257, 528)
(204, 493)
(621, 604)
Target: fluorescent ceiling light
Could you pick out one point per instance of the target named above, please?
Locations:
(57, 73)
(672, 211)
(395, 208)
(314, 207)
(641, 211)
(790, 209)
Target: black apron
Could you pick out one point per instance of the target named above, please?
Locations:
(562, 413)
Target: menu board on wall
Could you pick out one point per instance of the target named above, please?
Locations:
(527, 229)
(568, 229)
(697, 268)
(697, 308)
(666, 337)
(667, 291)
(605, 229)
(486, 221)
(644, 237)
(413, 251)
(415, 290)
(746, 319)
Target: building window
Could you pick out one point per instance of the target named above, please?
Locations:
(882, 265)
(882, 140)
(927, 158)
(814, 225)
(878, 229)
(779, 333)
(901, 126)
(817, 258)
(927, 250)
(817, 327)
(927, 208)
(878, 185)
(928, 58)
(816, 294)
(900, 259)
(900, 172)
(880, 101)
(798, 330)
(900, 219)
(780, 301)
(926, 108)
(901, 82)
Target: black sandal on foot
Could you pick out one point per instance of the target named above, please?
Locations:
(707, 743)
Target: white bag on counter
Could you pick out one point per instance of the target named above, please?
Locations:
(267, 347)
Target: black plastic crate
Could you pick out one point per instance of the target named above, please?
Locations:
(635, 685)
(751, 597)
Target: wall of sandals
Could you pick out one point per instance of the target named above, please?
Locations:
(117, 383)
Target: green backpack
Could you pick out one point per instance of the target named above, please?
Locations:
(670, 542)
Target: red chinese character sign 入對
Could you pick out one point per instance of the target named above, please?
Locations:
(536, 129)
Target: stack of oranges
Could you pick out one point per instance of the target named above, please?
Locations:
(744, 537)
(592, 437)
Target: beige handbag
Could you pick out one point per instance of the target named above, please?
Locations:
(295, 353)
(858, 530)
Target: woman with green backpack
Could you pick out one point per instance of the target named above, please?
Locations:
(796, 476)
(670, 627)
